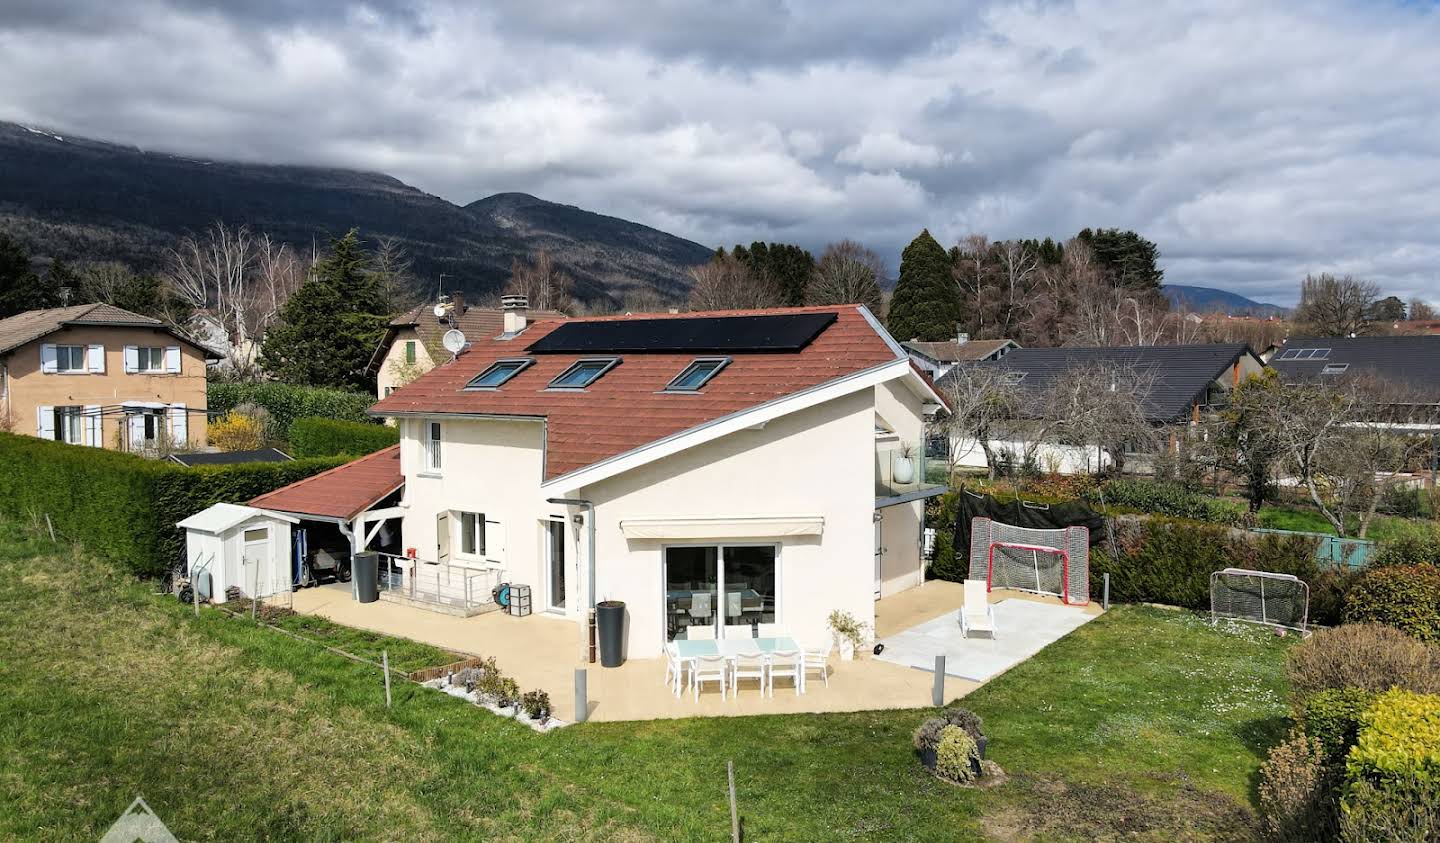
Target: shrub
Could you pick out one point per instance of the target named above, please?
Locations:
(287, 402)
(1403, 811)
(927, 736)
(123, 506)
(1370, 657)
(1297, 792)
(954, 755)
(1414, 543)
(1173, 499)
(236, 431)
(1333, 717)
(536, 705)
(313, 436)
(1406, 597)
(1399, 739)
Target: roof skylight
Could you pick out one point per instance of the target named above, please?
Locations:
(1305, 354)
(499, 372)
(697, 374)
(1334, 368)
(582, 373)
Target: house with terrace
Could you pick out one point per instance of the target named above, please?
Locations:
(707, 469)
(1176, 387)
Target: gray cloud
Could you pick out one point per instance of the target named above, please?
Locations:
(1253, 143)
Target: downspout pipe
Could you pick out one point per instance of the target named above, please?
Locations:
(590, 536)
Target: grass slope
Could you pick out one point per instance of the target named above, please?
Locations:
(1145, 724)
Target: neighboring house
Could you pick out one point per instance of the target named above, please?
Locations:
(208, 331)
(705, 468)
(93, 374)
(938, 358)
(1411, 361)
(412, 341)
(1188, 381)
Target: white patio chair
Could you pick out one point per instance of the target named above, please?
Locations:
(749, 666)
(771, 630)
(977, 615)
(700, 633)
(732, 604)
(674, 668)
(709, 669)
(738, 630)
(785, 663)
(817, 659)
(700, 608)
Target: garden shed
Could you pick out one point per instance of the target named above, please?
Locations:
(240, 546)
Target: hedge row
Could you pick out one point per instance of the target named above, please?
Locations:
(1172, 499)
(286, 402)
(124, 506)
(313, 436)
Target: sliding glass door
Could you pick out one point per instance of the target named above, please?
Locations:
(555, 564)
(719, 585)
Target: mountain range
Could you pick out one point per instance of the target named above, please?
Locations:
(80, 199)
(1212, 300)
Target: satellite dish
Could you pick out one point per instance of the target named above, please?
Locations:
(454, 341)
(439, 310)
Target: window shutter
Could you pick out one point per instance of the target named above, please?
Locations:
(45, 420)
(494, 540)
(95, 359)
(93, 430)
(179, 424)
(132, 359)
(172, 359)
(47, 358)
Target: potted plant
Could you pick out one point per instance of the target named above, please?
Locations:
(902, 470)
(848, 633)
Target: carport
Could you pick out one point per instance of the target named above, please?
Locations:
(341, 512)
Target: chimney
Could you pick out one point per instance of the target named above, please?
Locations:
(514, 308)
(961, 337)
(457, 306)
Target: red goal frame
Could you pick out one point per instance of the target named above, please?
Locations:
(1036, 548)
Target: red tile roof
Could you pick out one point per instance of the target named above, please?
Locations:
(626, 408)
(342, 492)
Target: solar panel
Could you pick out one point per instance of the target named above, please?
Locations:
(774, 333)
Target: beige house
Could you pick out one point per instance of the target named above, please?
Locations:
(413, 340)
(96, 375)
(708, 469)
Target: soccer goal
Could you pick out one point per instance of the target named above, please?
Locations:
(1028, 559)
(1260, 597)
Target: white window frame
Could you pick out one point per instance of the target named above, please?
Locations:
(67, 353)
(476, 532)
(66, 416)
(432, 447)
(146, 355)
(720, 578)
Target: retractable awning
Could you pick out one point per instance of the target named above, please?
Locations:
(725, 527)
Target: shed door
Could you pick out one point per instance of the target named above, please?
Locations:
(256, 553)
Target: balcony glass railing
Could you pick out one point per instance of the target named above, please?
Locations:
(901, 470)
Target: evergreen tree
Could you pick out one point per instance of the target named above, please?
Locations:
(1129, 260)
(330, 325)
(1388, 309)
(926, 304)
(66, 284)
(21, 289)
(788, 267)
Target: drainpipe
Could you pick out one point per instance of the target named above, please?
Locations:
(590, 534)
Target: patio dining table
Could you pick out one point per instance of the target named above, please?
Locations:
(732, 647)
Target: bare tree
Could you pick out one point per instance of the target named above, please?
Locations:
(982, 400)
(1018, 266)
(970, 262)
(1335, 307)
(392, 267)
(1420, 310)
(542, 281)
(726, 284)
(1102, 406)
(847, 273)
(239, 279)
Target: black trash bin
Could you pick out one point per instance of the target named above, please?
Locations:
(610, 629)
(367, 577)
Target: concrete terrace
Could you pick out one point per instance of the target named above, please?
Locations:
(542, 651)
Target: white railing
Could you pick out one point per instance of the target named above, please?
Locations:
(463, 586)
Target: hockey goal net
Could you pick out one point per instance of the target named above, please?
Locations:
(1261, 597)
(1028, 559)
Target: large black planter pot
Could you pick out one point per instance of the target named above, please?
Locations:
(610, 629)
(927, 757)
(975, 762)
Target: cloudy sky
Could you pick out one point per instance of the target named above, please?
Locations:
(1254, 142)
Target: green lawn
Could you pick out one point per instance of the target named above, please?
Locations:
(1146, 724)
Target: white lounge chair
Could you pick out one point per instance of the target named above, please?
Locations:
(709, 669)
(977, 615)
(787, 663)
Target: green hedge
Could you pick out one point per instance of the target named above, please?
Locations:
(1172, 499)
(124, 506)
(286, 402)
(1406, 597)
(1333, 717)
(314, 436)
